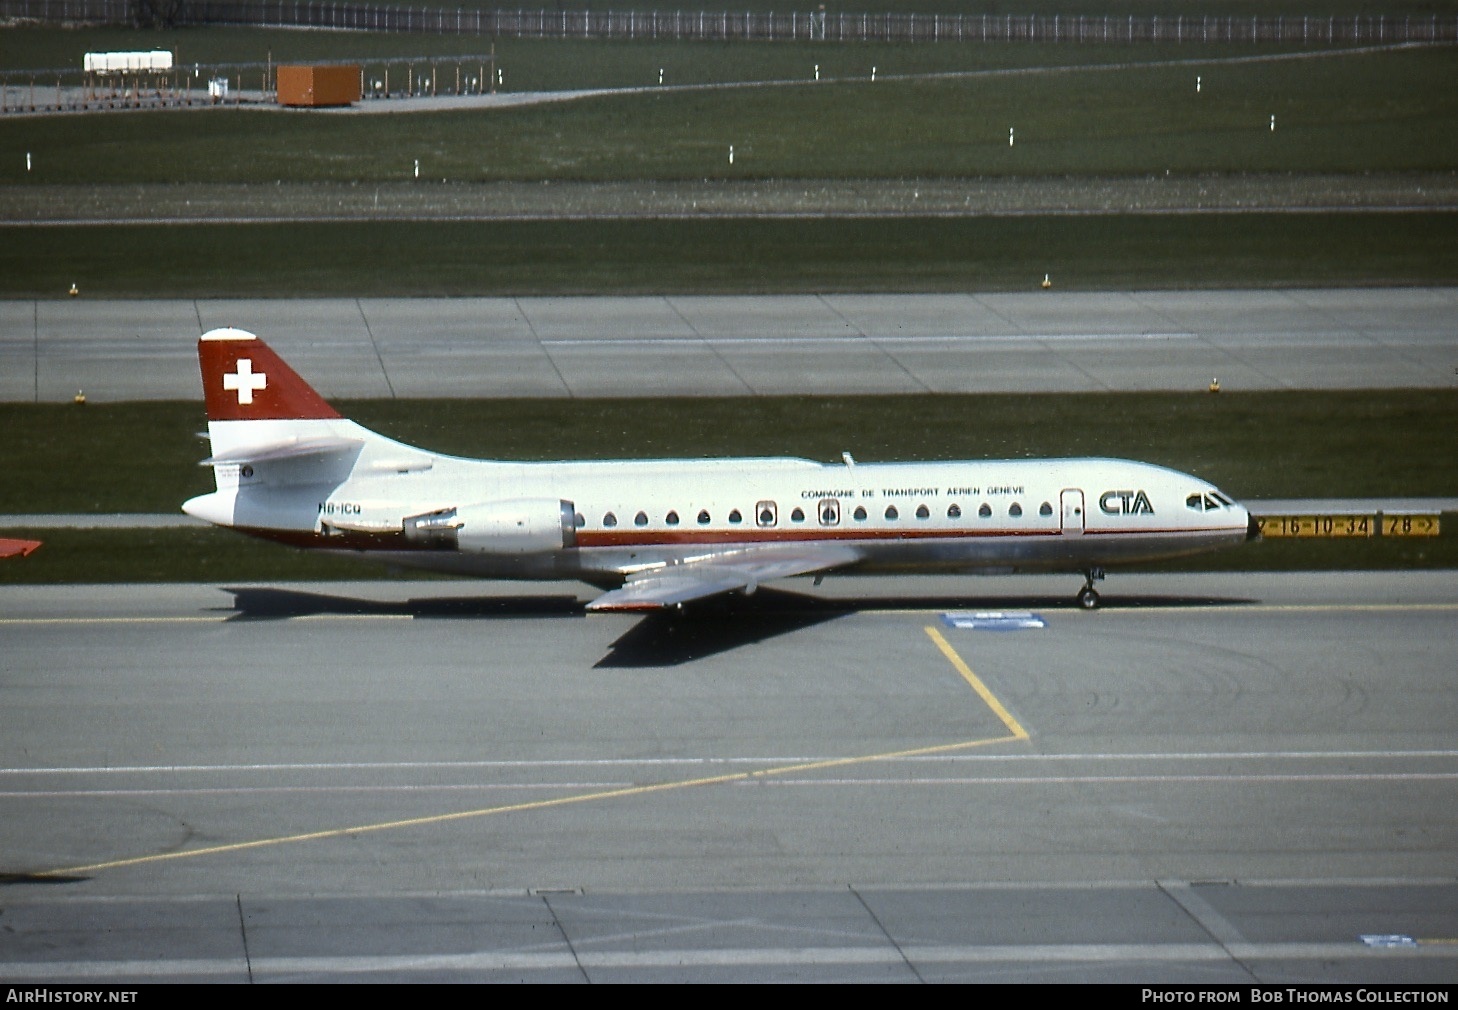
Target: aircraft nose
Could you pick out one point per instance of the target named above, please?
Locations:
(1252, 528)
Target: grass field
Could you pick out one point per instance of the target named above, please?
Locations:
(729, 256)
(62, 458)
(1346, 116)
(1254, 445)
(1362, 112)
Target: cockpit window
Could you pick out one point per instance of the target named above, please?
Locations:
(1207, 502)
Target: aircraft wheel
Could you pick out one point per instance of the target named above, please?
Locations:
(1088, 598)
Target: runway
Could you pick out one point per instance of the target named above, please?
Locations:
(1036, 341)
(1214, 778)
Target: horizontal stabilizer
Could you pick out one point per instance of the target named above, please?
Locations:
(694, 580)
(292, 448)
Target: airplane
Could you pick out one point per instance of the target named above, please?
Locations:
(659, 533)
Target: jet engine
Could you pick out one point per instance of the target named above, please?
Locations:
(515, 526)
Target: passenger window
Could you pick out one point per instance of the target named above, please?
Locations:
(891, 512)
(765, 513)
(922, 512)
(1015, 510)
(985, 511)
(735, 517)
(641, 519)
(797, 516)
(703, 517)
(1045, 509)
(578, 520)
(671, 518)
(609, 520)
(860, 513)
(954, 511)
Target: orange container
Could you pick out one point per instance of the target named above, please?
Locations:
(315, 86)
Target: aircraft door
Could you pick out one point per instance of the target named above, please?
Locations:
(1072, 502)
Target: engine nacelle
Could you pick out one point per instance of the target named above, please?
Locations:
(514, 526)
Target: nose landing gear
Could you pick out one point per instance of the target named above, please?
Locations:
(1088, 597)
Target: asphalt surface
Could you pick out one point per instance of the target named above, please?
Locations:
(1218, 778)
(1037, 341)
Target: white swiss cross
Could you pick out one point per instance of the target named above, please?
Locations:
(244, 381)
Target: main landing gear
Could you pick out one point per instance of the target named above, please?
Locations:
(1088, 597)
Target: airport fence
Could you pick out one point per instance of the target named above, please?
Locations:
(807, 25)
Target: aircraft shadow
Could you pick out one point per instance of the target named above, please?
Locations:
(254, 603)
(674, 637)
(710, 627)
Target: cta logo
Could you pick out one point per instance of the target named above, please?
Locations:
(1127, 503)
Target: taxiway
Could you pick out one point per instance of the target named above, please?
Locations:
(1220, 778)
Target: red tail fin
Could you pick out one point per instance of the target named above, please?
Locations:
(244, 380)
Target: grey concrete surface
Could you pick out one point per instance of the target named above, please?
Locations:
(735, 346)
(1216, 778)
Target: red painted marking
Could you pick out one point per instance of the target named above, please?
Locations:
(651, 538)
(264, 389)
(17, 548)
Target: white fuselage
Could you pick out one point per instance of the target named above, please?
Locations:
(604, 521)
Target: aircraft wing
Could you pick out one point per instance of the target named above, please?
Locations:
(693, 580)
